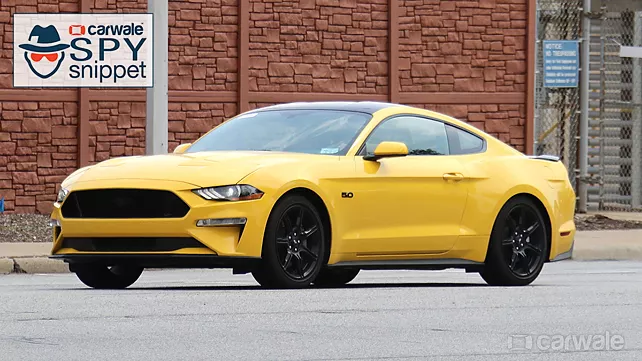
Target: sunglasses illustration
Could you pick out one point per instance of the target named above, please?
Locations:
(37, 57)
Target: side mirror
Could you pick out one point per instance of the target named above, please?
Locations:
(182, 148)
(388, 150)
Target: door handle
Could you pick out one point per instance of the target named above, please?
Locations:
(455, 177)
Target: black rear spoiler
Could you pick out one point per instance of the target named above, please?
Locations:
(550, 158)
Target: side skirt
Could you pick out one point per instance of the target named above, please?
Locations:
(420, 264)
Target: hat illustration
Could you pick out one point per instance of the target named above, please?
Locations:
(47, 37)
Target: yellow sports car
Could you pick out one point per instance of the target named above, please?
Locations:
(307, 194)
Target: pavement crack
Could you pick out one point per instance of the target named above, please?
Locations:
(16, 267)
(32, 340)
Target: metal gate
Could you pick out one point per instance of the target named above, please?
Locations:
(614, 152)
(615, 143)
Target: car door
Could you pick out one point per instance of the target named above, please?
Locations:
(407, 205)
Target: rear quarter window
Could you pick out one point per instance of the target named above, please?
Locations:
(462, 142)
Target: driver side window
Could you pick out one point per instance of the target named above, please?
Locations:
(421, 136)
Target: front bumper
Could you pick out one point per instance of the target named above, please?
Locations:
(221, 241)
(153, 260)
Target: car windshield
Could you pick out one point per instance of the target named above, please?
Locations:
(309, 131)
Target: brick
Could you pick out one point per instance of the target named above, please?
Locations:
(497, 126)
(328, 85)
(44, 207)
(42, 125)
(25, 201)
(70, 109)
(25, 178)
(280, 69)
(11, 115)
(469, 85)
(423, 70)
(226, 64)
(515, 67)
(63, 131)
(180, 40)
(139, 110)
(7, 148)
(10, 126)
(189, 15)
(377, 68)
(338, 19)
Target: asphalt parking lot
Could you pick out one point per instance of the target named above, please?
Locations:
(383, 315)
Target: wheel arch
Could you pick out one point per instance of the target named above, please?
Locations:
(318, 202)
(541, 207)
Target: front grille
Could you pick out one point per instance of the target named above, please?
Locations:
(123, 203)
(131, 244)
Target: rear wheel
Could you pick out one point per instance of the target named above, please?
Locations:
(294, 245)
(336, 277)
(107, 277)
(518, 245)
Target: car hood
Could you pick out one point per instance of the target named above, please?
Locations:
(203, 169)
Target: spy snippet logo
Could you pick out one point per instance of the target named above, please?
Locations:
(83, 50)
(45, 52)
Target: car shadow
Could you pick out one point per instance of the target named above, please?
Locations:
(349, 286)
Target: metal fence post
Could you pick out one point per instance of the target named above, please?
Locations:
(636, 135)
(582, 188)
(156, 137)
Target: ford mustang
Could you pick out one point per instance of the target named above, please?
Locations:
(310, 194)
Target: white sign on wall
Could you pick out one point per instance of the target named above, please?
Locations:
(630, 52)
(83, 50)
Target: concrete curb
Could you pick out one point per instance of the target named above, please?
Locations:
(606, 253)
(32, 265)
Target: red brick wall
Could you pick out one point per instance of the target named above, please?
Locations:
(295, 47)
(38, 149)
(203, 45)
(116, 129)
(463, 46)
(335, 46)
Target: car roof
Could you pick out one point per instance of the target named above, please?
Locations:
(369, 107)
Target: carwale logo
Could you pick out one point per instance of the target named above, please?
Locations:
(83, 50)
(567, 343)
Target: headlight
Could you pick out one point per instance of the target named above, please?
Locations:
(62, 194)
(239, 192)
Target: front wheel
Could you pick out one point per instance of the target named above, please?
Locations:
(518, 245)
(107, 277)
(294, 245)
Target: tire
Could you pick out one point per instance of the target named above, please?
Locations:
(336, 277)
(103, 277)
(294, 247)
(518, 246)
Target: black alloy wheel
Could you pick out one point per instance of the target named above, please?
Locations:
(518, 245)
(298, 242)
(294, 245)
(523, 241)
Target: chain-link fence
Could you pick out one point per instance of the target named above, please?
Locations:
(557, 108)
(615, 143)
(614, 153)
